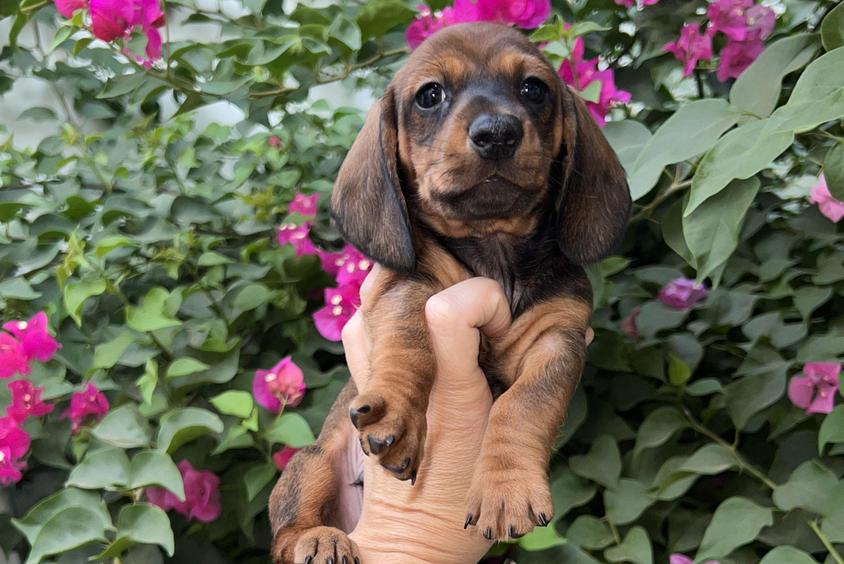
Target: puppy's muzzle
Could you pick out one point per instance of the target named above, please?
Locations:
(495, 137)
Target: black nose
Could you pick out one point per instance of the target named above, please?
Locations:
(495, 136)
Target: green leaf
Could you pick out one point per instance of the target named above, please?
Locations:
(751, 394)
(151, 314)
(808, 488)
(832, 28)
(108, 354)
(626, 502)
(346, 32)
(808, 298)
(541, 538)
(18, 289)
(107, 468)
(148, 381)
(234, 402)
(569, 491)
(671, 143)
(180, 426)
(833, 514)
(709, 459)
(291, 429)
(741, 153)
(75, 294)
(627, 138)
(252, 296)
(124, 427)
(712, 230)
(257, 477)
(377, 17)
(636, 548)
(833, 170)
(30, 525)
(736, 522)
(757, 90)
(70, 528)
(141, 523)
(155, 468)
(678, 371)
(590, 533)
(820, 79)
(787, 555)
(185, 366)
(832, 428)
(122, 84)
(602, 464)
(658, 427)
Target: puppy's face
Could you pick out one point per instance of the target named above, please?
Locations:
(478, 129)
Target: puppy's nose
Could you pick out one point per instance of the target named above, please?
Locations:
(495, 137)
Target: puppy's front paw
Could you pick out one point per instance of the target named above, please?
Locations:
(316, 545)
(390, 429)
(506, 503)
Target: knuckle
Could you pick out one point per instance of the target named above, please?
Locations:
(353, 330)
(439, 311)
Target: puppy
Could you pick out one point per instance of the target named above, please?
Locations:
(477, 161)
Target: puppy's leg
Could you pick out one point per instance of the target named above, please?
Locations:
(546, 351)
(390, 412)
(304, 505)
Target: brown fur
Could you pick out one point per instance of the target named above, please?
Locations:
(415, 196)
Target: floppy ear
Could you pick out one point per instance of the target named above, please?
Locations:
(594, 203)
(367, 203)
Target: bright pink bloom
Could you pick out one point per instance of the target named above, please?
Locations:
(282, 457)
(641, 3)
(202, 494)
(280, 386)
(815, 390)
(526, 14)
(354, 270)
(691, 47)
(580, 73)
(26, 401)
(427, 23)
(683, 559)
(10, 467)
(827, 203)
(36, 341)
(12, 357)
(760, 22)
(736, 56)
(13, 437)
(67, 7)
(113, 19)
(333, 262)
(728, 17)
(682, 293)
(298, 236)
(304, 205)
(340, 305)
(86, 403)
(628, 324)
(274, 141)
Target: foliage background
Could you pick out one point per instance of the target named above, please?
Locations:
(149, 240)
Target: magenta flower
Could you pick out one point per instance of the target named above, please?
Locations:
(36, 341)
(304, 205)
(280, 386)
(428, 22)
(736, 56)
(527, 14)
(815, 390)
(640, 4)
(761, 21)
(202, 494)
(354, 270)
(333, 262)
(298, 236)
(728, 17)
(10, 467)
(682, 293)
(628, 324)
(12, 357)
(89, 402)
(580, 73)
(67, 7)
(340, 305)
(282, 457)
(683, 559)
(831, 207)
(114, 19)
(13, 437)
(26, 401)
(691, 47)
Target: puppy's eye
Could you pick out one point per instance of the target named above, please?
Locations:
(430, 95)
(534, 90)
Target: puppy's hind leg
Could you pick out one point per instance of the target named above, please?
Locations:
(308, 504)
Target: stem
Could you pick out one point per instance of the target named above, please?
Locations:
(826, 542)
(659, 199)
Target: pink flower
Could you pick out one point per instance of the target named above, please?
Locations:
(827, 203)
(114, 19)
(340, 305)
(10, 467)
(333, 262)
(298, 236)
(736, 56)
(682, 293)
(815, 390)
(26, 401)
(304, 205)
(354, 270)
(12, 357)
(280, 386)
(527, 14)
(85, 403)
(628, 324)
(691, 47)
(580, 73)
(13, 437)
(683, 559)
(67, 7)
(282, 457)
(728, 17)
(274, 141)
(36, 341)
(641, 3)
(427, 23)
(760, 22)
(202, 494)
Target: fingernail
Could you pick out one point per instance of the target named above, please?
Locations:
(468, 520)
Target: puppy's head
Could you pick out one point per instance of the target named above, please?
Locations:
(477, 135)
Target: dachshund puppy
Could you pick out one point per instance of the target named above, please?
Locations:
(477, 161)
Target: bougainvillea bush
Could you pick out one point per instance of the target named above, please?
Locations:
(172, 292)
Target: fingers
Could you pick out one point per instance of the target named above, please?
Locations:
(590, 336)
(357, 347)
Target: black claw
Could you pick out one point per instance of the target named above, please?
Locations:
(345, 560)
(375, 445)
(390, 440)
(357, 560)
(309, 559)
(413, 478)
(543, 520)
(468, 520)
(330, 560)
(513, 534)
(488, 534)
